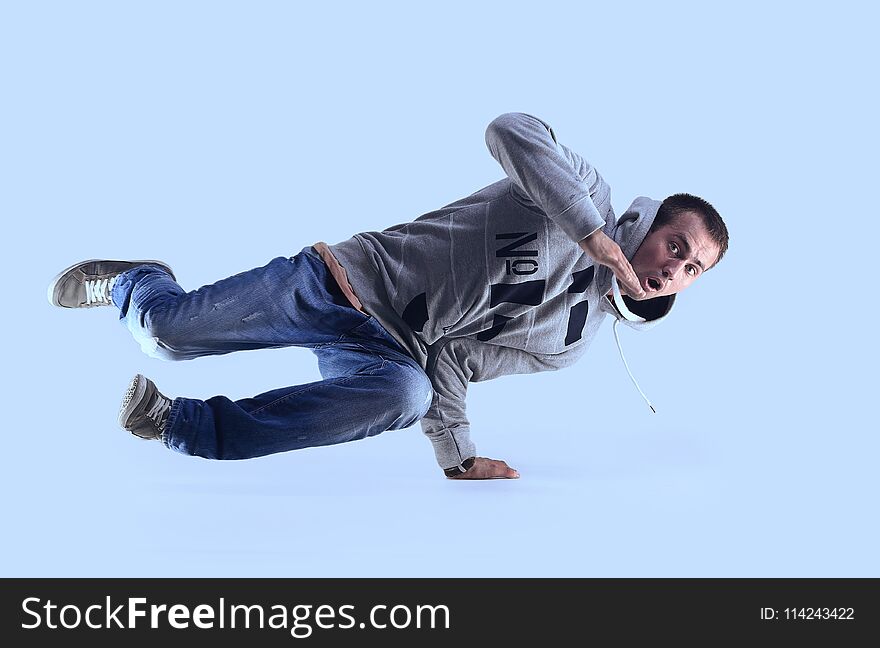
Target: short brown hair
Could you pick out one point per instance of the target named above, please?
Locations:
(685, 202)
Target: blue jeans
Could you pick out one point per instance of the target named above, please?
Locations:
(371, 384)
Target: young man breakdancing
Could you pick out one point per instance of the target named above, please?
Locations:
(515, 278)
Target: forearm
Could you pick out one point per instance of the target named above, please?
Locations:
(527, 150)
(452, 364)
(450, 439)
(445, 423)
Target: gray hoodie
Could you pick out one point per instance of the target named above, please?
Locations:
(495, 283)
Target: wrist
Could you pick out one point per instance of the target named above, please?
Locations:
(463, 467)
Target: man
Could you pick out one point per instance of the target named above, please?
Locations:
(515, 278)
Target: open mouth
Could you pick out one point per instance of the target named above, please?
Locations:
(653, 284)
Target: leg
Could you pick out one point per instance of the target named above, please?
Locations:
(370, 386)
(289, 301)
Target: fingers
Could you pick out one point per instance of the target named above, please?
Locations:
(628, 280)
(604, 250)
(500, 470)
(495, 469)
(626, 276)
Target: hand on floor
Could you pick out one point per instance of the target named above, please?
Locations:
(484, 468)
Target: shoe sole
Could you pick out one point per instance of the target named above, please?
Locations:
(138, 386)
(51, 292)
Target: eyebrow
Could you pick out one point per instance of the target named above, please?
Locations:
(687, 250)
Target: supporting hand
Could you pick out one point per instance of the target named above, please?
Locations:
(484, 468)
(604, 250)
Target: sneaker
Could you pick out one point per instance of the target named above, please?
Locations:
(144, 409)
(89, 283)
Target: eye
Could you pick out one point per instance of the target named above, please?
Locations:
(673, 246)
(692, 271)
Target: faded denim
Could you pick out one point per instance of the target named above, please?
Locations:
(370, 383)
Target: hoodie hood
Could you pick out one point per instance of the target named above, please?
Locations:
(628, 232)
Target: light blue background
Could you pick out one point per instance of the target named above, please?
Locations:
(216, 136)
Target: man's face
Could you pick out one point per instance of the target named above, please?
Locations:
(671, 258)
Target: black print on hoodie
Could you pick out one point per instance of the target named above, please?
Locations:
(495, 283)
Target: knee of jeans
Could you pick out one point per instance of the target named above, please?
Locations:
(413, 394)
(165, 339)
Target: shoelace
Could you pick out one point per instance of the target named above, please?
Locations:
(158, 411)
(98, 290)
(632, 317)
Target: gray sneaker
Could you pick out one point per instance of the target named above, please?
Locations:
(144, 409)
(88, 284)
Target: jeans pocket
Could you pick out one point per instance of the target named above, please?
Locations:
(365, 318)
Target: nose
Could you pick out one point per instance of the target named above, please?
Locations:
(670, 270)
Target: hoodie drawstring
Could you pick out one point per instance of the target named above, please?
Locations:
(632, 317)
(626, 366)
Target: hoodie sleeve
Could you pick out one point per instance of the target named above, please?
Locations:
(452, 364)
(550, 174)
